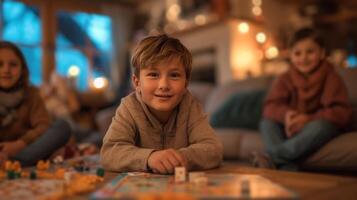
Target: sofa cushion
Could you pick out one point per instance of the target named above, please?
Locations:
(239, 143)
(338, 154)
(221, 93)
(242, 110)
(349, 77)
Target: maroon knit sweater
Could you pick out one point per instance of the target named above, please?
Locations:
(322, 95)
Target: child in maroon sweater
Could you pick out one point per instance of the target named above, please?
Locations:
(307, 106)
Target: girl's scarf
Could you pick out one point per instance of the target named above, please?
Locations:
(9, 101)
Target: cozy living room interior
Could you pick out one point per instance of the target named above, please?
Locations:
(239, 47)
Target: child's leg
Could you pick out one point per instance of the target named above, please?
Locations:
(312, 137)
(273, 135)
(55, 137)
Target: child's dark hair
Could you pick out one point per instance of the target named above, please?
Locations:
(305, 33)
(154, 49)
(24, 78)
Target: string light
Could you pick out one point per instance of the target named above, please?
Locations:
(200, 19)
(272, 52)
(73, 71)
(257, 10)
(243, 27)
(261, 37)
(100, 82)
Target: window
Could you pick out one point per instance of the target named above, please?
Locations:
(21, 25)
(85, 41)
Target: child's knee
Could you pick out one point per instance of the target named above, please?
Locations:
(322, 126)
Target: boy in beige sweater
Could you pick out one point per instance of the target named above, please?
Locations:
(161, 125)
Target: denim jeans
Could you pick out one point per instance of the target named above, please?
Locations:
(285, 152)
(55, 137)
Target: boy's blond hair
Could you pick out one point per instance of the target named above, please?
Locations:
(155, 49)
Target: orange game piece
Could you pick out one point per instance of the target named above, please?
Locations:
(43, 165)
(8, 165)
(16, 166)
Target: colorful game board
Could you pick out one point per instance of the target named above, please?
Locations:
(219, 186)
(48, 181)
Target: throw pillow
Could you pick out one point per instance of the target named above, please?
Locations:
(241, 110)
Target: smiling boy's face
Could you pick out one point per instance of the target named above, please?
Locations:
(162, 87)
(306, 55)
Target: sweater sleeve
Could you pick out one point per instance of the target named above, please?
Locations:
(335, 105)
(205, 150)
(39, 117)
(118, 152)
(276, 103)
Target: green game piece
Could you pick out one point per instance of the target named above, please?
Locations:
(17, 174)
(100, 172)
(10, 175)
(33, 175)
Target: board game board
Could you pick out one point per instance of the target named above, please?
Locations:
(46, 181)
(219, 186)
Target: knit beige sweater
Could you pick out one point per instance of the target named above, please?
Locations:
(135, 133)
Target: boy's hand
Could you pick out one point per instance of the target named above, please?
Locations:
(287, 121)
(165, 161)
(297, 123)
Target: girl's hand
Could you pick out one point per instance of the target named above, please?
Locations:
(165, 161)
(12, 148)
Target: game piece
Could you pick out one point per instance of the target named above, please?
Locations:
(202, 181)
(68, 177)
(58, 159)
(17, 174)
(59, 173)
(33, 175)
(8, 165)
(100, 172)
(193, 175)
(10, 175)
(180, 174)
(79, 168)
(245, 188)
(16, 166)
(43, 165)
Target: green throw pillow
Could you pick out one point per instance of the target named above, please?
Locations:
(241, 110)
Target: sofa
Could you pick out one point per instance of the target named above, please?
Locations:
(339, 155)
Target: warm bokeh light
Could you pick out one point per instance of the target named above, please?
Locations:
(173, 12)
(257, 2)
(261, 37)
(243, 27)
(73, 71)
(200, 19)
(257, 10)
(271, 52)
(100, 82)
(244, 58)
(182, 24)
